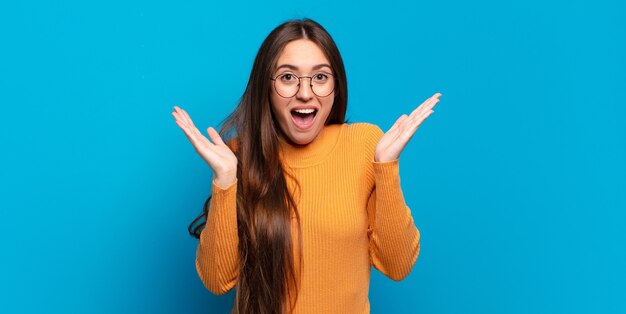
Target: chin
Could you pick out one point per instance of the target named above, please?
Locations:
(302, 140)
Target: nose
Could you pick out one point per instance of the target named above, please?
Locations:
(305, 91)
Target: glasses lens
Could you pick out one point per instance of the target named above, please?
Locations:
(323, 84)
(287, 85)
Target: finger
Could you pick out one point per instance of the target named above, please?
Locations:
(412, 128)
(425, 107)
(431, 103)
(191, 131)
(434, 103)
(186, 131)
(181, 121)
(178, 110)
(435, 99)
(398, 122)
(186, 116)
(421, 119)
(426, 104)
(199, 141)
(215, 136)
(180, 115)
(426, 115)
(179, 118)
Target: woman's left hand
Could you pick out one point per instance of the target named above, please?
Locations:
(393, 142)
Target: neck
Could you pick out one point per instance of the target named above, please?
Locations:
(314, 152)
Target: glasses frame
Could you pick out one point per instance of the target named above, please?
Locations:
(310, 77)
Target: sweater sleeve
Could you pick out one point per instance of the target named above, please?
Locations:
(217, 252)
(394, 238)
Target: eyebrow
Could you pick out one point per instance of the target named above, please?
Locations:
(293, 67)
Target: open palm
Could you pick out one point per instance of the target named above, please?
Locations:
(393, 142)
(220, 158)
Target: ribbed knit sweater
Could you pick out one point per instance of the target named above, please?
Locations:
(353, 216)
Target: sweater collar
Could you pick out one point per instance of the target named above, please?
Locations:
(315, 152)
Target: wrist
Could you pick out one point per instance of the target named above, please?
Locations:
(385, 159)
(224, 181)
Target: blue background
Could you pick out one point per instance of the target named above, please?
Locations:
(517, 182)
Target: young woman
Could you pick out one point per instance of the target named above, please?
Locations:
(303, 203)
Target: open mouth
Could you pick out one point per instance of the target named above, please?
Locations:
(303, 118)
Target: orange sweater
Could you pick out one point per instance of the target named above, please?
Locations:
(353, 216)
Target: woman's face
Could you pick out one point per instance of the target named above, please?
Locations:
(301, 57)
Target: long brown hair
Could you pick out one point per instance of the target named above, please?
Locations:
(267, 280)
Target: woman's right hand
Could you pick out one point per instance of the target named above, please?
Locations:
(220, 158)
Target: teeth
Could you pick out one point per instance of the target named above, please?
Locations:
(304, 111)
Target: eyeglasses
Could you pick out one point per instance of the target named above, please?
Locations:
(287, 85)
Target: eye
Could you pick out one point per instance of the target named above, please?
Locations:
(287, 77)
(320, 77)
